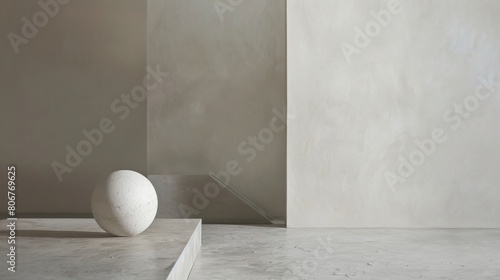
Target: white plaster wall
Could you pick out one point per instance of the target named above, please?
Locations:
(357, 115)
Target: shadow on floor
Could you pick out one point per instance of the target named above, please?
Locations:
(57, 234)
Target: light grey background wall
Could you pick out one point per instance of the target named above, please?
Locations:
(396, 118)
(227, 82)
(63, 80)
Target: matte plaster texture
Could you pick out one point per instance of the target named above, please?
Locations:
(253, 252)
(63, 81)
(227, 72)
(366, 103)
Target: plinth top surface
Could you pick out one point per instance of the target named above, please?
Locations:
(79, 249)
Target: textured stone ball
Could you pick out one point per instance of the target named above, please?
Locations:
(125, 203)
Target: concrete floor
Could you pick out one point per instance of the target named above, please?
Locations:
(259, 252)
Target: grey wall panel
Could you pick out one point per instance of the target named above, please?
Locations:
(227, 72)
(199, 196)
(371, 83)
(63, 80)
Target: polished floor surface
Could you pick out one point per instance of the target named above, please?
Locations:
(259, 252)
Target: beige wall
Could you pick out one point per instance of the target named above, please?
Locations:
(227, 72)
(62, 81)
(226, 68)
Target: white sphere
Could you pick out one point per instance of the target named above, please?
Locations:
(125, 203)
